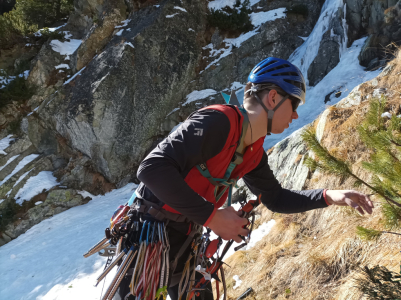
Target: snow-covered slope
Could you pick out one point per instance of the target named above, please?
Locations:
(47, 263)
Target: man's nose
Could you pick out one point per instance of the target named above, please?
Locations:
(294, 115)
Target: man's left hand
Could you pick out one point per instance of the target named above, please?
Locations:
(357, 200)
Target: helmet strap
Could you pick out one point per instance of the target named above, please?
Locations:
(270, 113)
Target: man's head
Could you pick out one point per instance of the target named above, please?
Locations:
(278, 87)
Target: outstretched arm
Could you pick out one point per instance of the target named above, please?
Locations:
(261, 180)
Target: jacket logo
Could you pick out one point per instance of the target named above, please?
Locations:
(198, 131)
(203, 167)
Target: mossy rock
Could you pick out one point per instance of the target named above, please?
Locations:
(64, 198)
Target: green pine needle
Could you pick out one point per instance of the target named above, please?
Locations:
(367, 234)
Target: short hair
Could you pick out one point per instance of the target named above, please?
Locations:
(266, 88)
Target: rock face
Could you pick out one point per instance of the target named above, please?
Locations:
(43, 67)
(100, 34)
(381, 20)
(142, 72)
(286, 161)
(365, 14)
(278, 38)
(328, 55)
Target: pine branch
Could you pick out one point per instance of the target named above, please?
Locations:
(394, 143)
(389, 201)
(391, 232)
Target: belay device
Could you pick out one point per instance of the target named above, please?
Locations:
(140, 243)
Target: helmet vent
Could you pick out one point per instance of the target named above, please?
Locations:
(274, 69)
(296, 83)
(264, 66)
(286, 74)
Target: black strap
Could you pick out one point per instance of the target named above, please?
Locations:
(270, 113)
(190, 237)
(157, 212)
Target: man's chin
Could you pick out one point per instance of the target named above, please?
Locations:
(278, 132)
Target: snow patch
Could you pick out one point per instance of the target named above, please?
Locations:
(39, 202)
(26, 160)
(52, 29)
(5, 80)
(196, 95)
(170, 16)
(175, 109)
(62, 66)
(8, 161)
(86, 194)
(65, 48)
(180, 8)
(259, 18)
(35, 185)
(386, 115)
(4, 143)
(25, 74)
(237, 85)
(190, 29)
(120, 32)
(237, 282)
(75, 75)
(33, 111)
(129, 44)
(125, 23)
(22, 177)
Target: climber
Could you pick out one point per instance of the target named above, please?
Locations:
(189, 175)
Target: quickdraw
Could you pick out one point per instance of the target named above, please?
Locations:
(139, 244)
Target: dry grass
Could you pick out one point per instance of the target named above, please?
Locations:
(315, 255)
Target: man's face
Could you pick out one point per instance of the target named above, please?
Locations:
(284, 115)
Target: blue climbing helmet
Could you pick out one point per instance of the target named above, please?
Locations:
(281, 73)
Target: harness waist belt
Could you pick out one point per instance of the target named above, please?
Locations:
(157, 212)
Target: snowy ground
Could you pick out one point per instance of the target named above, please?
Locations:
(47, 261)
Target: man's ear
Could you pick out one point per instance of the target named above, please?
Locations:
(271, 99)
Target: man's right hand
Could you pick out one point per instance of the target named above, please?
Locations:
(228, 224)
